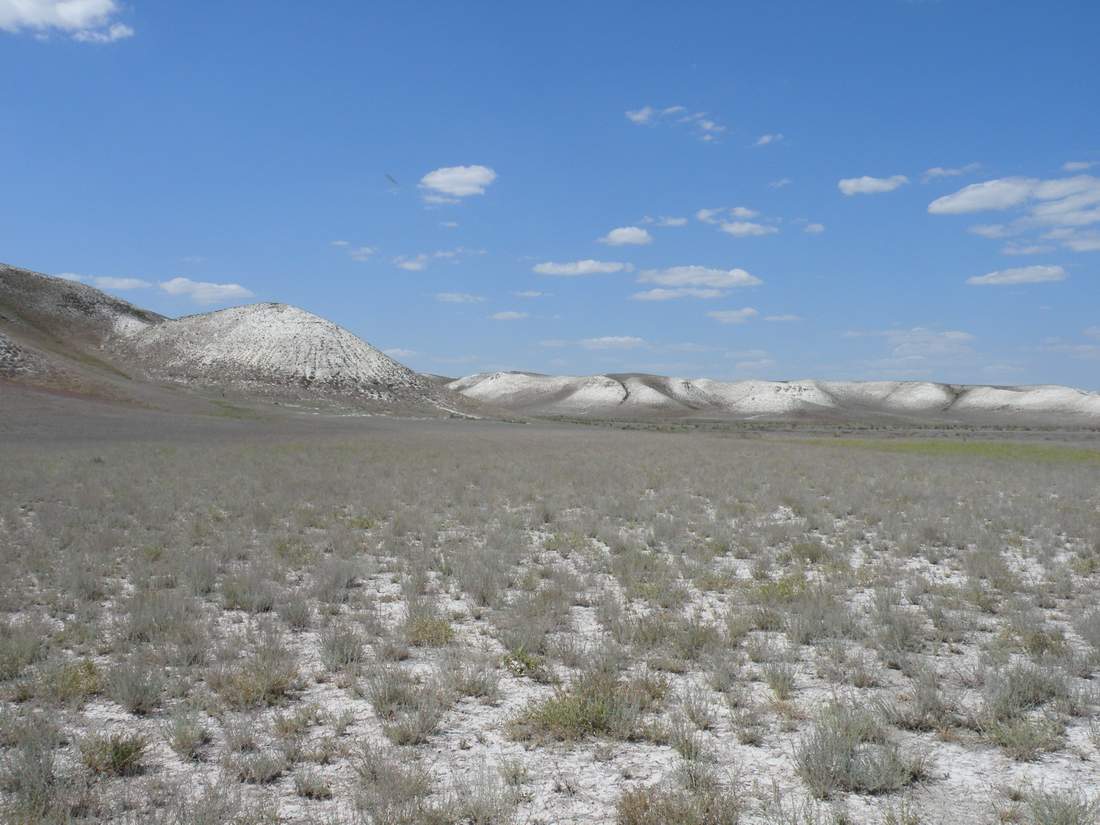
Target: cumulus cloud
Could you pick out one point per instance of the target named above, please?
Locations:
(814, 228)
(868, 185)
(420, 262)
(665, 221)
(733, 316)
(116, 31)
(747, 229)
(641, 116)
(948, 172)
(203, 292)
(588, 266)
(990, 195)
(1063, 207)
(359, 253)
(1019, 275)
(663, 294)
(613, 342)
(106, 281)
(416, 263)
(508, 315)
(990, 230)
(86, 21)
(627, 236)
(699, 276)
(767, 140)
(451, 182)
(725, 213)
(458, 298)
(705, 127)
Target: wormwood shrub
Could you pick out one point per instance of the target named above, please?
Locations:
(136, 685)
(847, 750)
(598, 703)
(342, 647)
(28, 769)
(114, 754)
(410, 710)
(1062, 808)
(68, 682)
(21, 644)
(389, 788)
(186, 735)
(699, 801)
(265, 677)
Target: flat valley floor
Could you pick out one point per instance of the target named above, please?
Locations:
(320, 619)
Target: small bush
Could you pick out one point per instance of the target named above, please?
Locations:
(186, 735)
(1062, 808)
(847, 751)
(596, 704)
(342, 648)
(136, 685)
(114, 754)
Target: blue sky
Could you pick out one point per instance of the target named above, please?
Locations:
(865, 189)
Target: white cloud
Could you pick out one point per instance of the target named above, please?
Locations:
(779, 184)
(613, 342)
(1013, 248)
(339, 243)
(1078, 165)
(814, 228)
(627, 236)
(553, 343)
(530, 293)
(867, 185)
(745, 229)
(111, 34)
(456, 182)
(106, 281)
(663, 294)
(1093, 332)
(706, 128)
(360, 253)
(1019, 275)
(766, 140)
(698, 276)
(399, 352)
(87, 21)
(999, 194)
(1079, 241)
(990, 230)
(585, 267)
(948, 172)
(733, 316)
(782, 319)
(420, 262)
(724, 213)
(120, 283)
(417, 263)
(458, 298)
(508, 315)
(449, 224)
(203, 292)
(665, 221)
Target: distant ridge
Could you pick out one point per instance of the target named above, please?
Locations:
(638, 395)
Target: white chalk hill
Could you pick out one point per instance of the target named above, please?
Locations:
(634, 395)
(271, 345)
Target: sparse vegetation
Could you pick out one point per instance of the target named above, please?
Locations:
(301, 626)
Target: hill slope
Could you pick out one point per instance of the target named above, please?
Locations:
(274, 346)
(633, 395)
